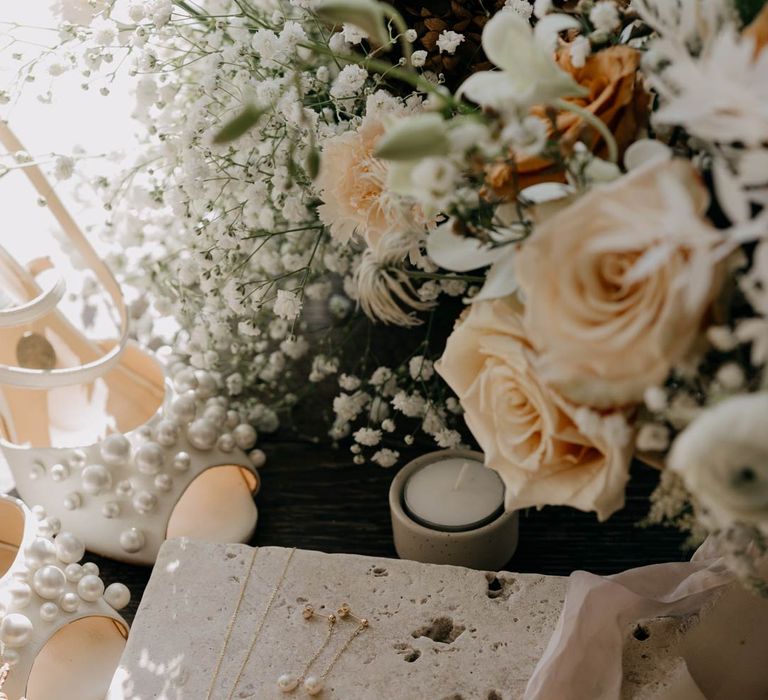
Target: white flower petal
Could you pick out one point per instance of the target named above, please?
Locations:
(508, 41)
(550, 26)
(500, 281)
(730, 194)
(458, 253)
(496, 89)
(644, 151)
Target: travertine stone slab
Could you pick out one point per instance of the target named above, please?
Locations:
(437, 632)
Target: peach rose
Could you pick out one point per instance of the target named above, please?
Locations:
(352, 185)
(616, 284)
(527, 431)
(615, 95)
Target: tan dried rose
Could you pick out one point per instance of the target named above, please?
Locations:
(353, 186)
(527, 430)
(615, 94)
(616, 284)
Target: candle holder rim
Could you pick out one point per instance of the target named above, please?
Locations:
(397, 487)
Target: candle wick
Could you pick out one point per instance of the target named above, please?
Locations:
(460, 477)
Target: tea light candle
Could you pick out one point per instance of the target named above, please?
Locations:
(454, 494)
(448, 508)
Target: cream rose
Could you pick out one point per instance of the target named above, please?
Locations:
(353, 186)
(527, 431)
(722, 457)
(616, 284)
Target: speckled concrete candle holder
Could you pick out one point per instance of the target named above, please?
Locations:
(488, 547)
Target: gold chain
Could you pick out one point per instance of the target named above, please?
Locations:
(331, 626)
(233, 619)
(260, 626)
(360, 629)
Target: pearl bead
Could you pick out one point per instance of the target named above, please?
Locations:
(49, 582)
(11, 657)
(258, 458)
(73, 572)
(202, 434)
(49, 527)
(144, 502)
(150, 458)
(38, 552)
(15, 630)
(124, 488)
(233, 420)
(144, 433)
(314, 685)
(185, 380)
(69, 548)
(132, 540)
(69, 602)
(115, 449)
(90, 588)
(49, 612)
(90, 568)
(226, 443)
(166, 433)
(184, 408)
(245, 436)
(77, 459)
(59, 472)
(206, 384)
(96, 479)
(22, 575)
(181, 461)
(216, 415)
(117, 595)
(111, 509)
(36, 472)
(163, 482)
(21, 594)
(39, 512)
(287, 683)
(72, 501)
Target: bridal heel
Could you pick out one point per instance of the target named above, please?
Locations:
(125, 447)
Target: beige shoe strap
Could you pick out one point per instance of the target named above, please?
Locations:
(84, 374)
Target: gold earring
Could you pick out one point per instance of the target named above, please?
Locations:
(288, 683)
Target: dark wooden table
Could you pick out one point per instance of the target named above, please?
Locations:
(314, 497)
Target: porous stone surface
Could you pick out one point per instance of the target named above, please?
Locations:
(436, 632)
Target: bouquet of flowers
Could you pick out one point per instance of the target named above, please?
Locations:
(580, 187)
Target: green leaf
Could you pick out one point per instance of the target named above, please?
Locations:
(313, 163)
(368, 15)
(240, 124)
(413, 138)
(749, 9)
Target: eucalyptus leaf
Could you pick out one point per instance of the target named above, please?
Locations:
(241, 124)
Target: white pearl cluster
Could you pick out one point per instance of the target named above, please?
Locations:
(51, 578)
(195, 418)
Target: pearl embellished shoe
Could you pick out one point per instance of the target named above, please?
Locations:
(60, 634)
(125, 447)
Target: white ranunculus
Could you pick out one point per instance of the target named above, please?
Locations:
(722, 457)
(529, 74)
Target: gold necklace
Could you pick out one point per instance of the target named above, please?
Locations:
(260, 626)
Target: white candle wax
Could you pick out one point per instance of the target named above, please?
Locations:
(454, 494)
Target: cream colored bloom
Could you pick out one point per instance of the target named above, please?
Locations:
(617, 283)
(529, 74)
(723, 459)
(527, 431)
(353, 186)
